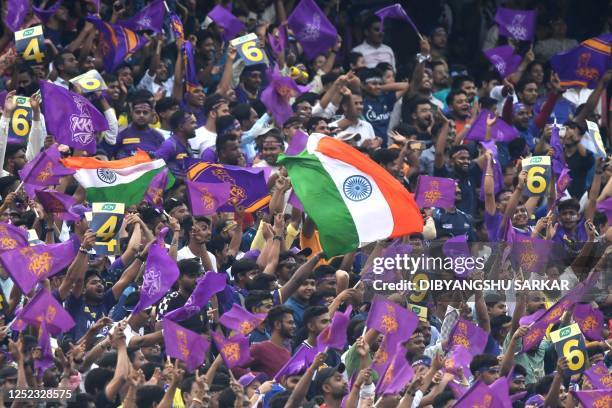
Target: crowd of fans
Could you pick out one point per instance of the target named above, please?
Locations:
(406, 102)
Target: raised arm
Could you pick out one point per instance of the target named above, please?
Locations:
(73, 281)
(589, 209)
(591, 102)
(299, 276)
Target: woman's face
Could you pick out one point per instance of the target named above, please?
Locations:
(537, 73)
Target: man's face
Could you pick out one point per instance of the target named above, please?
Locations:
(201, 232)
(489, 375)
(517, 384)
(521, 217)
(142, 114)
(304, 110)
(264, 306)
(88, 64)
(290, 382)
(125, 75)
(336, 386)
(270, 149)
(498, 309)
(113, 90)
(423, 117)
(487, 86)
(326, 284)
(529, 94)
(522, 117)
(180, 212)
(286, 268)
(461, 160)
(71, 65)
(569, 218)
(19, 159)
(503, 199)
(440, 38)
(425, 328)
(94, 288)
(509, 175)
(535, 301)
(440, 76)
(372, 86)
(230, 153)
(252, 81)
(321, 127)
(287, 326)
(318, 324)
(461, 106)
(374, 34)
(189, 126)
(24, 82)
(188, 281)
(208, 48)
(306, 289)
(427, 81)
(416, 345)
(162, 71)
(357, 104)
(470, 89)
(221, 110)
(196, 97)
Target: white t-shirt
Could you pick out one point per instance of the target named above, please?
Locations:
(203, 139)
(362, 127)
(185, 253)
(374, 55)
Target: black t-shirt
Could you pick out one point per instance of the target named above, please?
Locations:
(579, 169)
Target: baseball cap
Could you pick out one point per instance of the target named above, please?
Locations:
(253, 254)
(323, 374)
(248, 378)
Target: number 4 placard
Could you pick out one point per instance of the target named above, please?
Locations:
(538, 175)
(106, 221)
(569, 343)
(249, 50)
(30, 43)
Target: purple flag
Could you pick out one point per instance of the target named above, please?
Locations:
(155, 192)
(248, 184)
(504, 60)
(71, 118)
(150, 18)
(12, 237)
(312, 29)
(435, 192)
(185, 345)
(501, 390)
(297, 144)
(395, 11)
(46, 355)
(458, 357)
(227, 21)
(206, 287)
(31, 264)
(457, 389)
(583, 65)
(117, 43)
(599, 376)
(558, 160)
(278, 43)
(389, 347)
(206, 198)
(605, 206)
(295, 201)
(16, 13)
(43, 306)
(176, 25)
(531, 254)
(46, 168)
(396, 377)
(387, 274)
(277, 94)
(517, 24)
(391, 319)
(160, 274)
(590, 321)
(191, 73)
(594, 398)
(298, 363)
(241, 320)
(334, 335)
(44, 15)
(469, 335)
(479, 395)
(235, 350)
(500, 131)
(58, 204)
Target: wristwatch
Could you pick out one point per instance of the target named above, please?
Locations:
(83, 250)
(423, 57)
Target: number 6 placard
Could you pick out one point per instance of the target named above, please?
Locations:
(538, 175)
(249, 50)
(30, 43)
(570, 344)
(106, 222)
(21, 121)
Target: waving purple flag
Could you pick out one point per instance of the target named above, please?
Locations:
(150, 18)
(590, 321)
(31, 264)
(241, 320)
(391, 319)
(16, 13)
(234, 351)
(206, 198)
(599, 376)
(191, 73)
(500, 131)
(46, 168)
(383, 357)
(498, 175)
(46, 359)
(503, 59)
(479, 395)
(298, 363)
(531, 254)
(278, 93)
(206, 287)
(605, 206)
(43, 306)
(12, 237)
(458, 358)
(517, 24)
(176, 25)
(185, 345)
(312, 29)
(278, 43)
(396, 377)
(334, 335)
(44, 15)
(57, 203)
(583, 65)
(435, 192)
(469, 335)
(297, 144)
(155, 192)
(558, 160)
(564, 179)
(594, 398)
(71, 118)
(231, 25)
(248, 185)
(395, 11)
(160, 274)
(501, 392)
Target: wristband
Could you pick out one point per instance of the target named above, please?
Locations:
(83, 250)
(141, 258)
(277, 237)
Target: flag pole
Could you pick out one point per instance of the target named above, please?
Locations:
(166, 6)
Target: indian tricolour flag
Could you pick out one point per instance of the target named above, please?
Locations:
(352, 200)
(117, 181)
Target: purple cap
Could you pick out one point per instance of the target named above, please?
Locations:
(248, 378)
(536, 401)
(253, 254)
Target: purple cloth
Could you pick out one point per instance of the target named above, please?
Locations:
(298, 143)
(467, 334)
(435, 192)
(277, 94)
(558, 160)
(71, 118)
(44, 15)
(605, 206)
(501, 392)
(58, 204)
(391, 319)
(116, 42)
(160, 274)
(500, 131)
(150, 18)
(384, 356)
(387, 274)
(185, 345)
(458, 357)
(504, 60)
(241, 320)
(334, 335)
(12, 237)
(234, 351)
(312, 29)
(278, 44)
(396, 376)
(298, 363)
(176, 25)
(479, 395)
(395, 11)
(46, 168)
(31, 264)
(584, 64)
(599, 376)
(155, 192)
(206, 287)
(43, 306)
(226, 20)
(532, 254)
(191, 73)
(594, 398)
(590, 320)
(517, 24)
(206, 198)
(46, 359)
(16, 13)
(295, 201)
(493, 224)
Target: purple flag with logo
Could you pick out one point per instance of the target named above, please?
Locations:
(531, 254)
(590, 321)
(334, 335)
(435, 192)
(46, 168)
(501, 392)
(248, 184)
(382, 272)
(278, 93)
(44, 15)
(599, 376)
(395, 11)
(160, 274)
(298, 363)
(312, 29)
(563, 181)
(206, 287)
(517, 24)
(31, 264)
(278, 43)
(234, 350)
(469, 335)
(176, 25)
(605, 206)
(150, 18)
(396, 377)
(384, 355)
(185, 345)
(558, 160)
(16, 12)
(479, 395)
(500, 131)
(191, 73)
(231, 25)
(391, 319)
(241, 320)
(12, 237)
(594, 398)
(155, 192)
(206, 198)
(45, 360)
(44, 306)
(71, 118)
(503, 59)
(58, 204)
(458, 357)
(583, 65)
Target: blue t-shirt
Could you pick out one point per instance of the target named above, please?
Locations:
(377, 111)
(298, 309)
(131, 139)
(85, 315)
